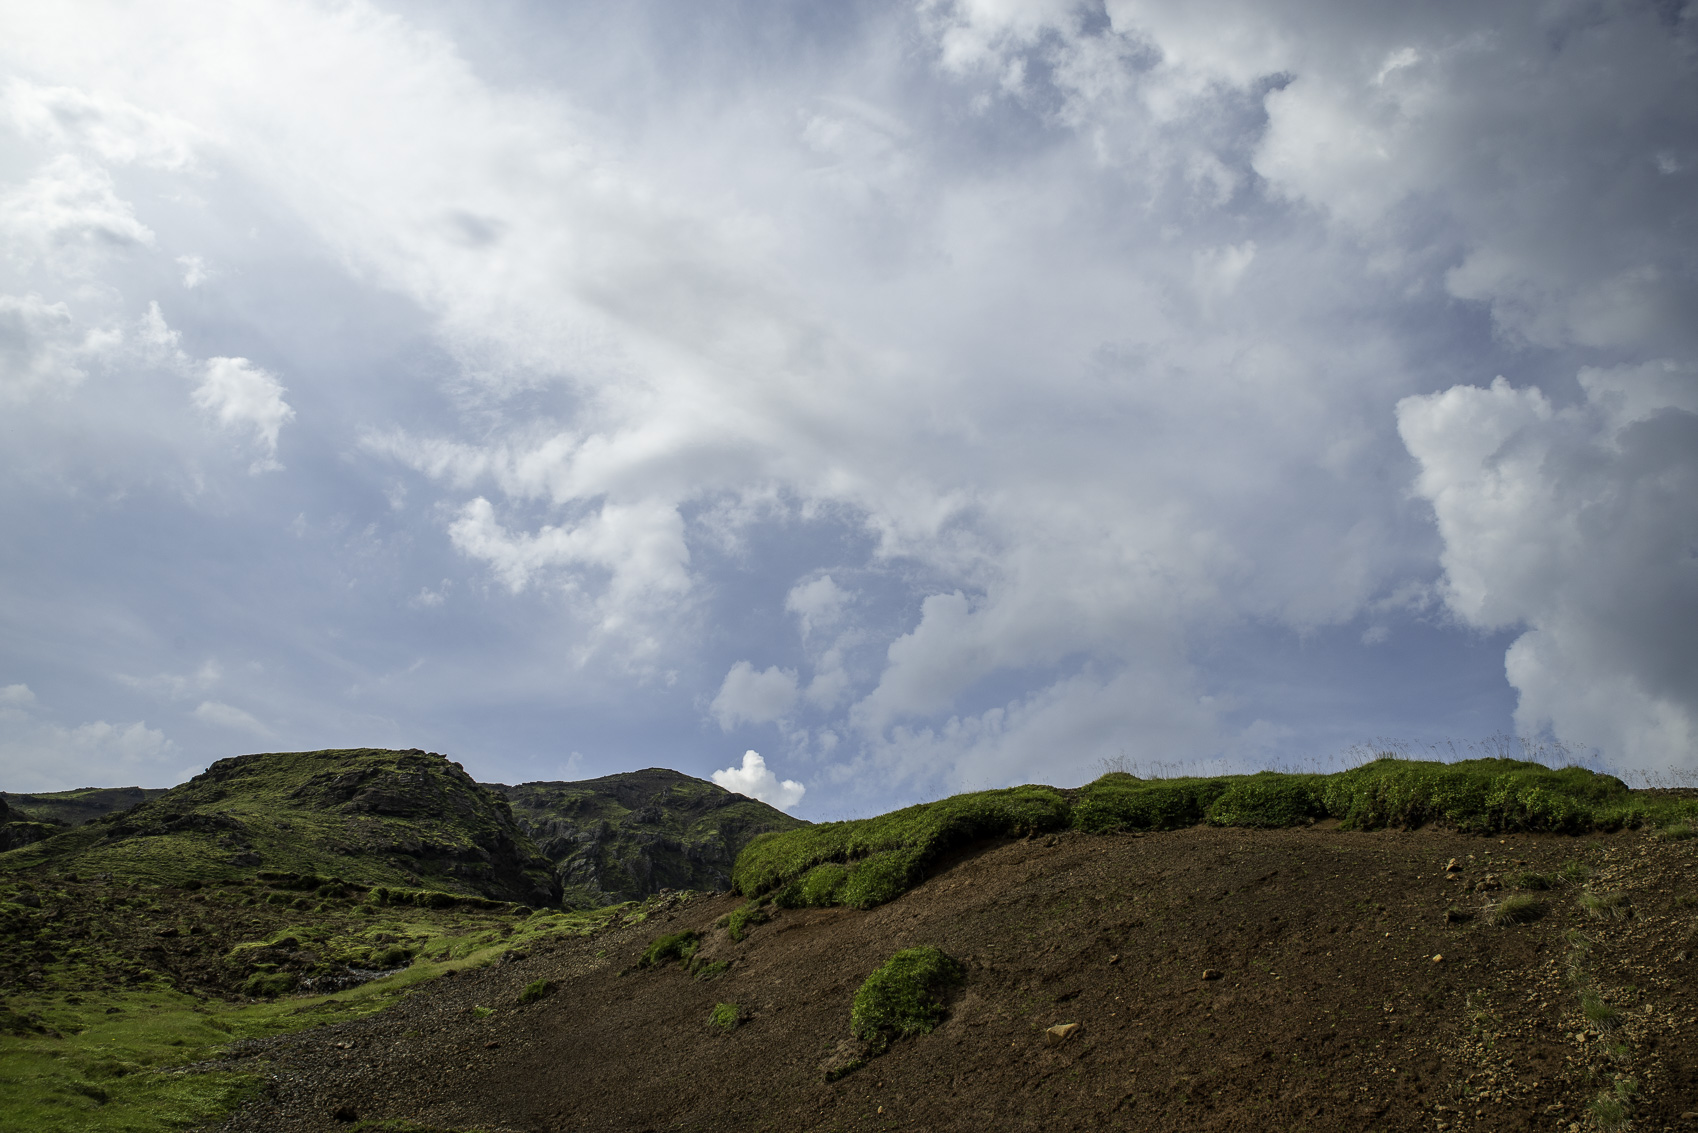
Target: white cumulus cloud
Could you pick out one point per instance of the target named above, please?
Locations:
(1579, 525)
(752, 696)
(757, 781)
(243, 396)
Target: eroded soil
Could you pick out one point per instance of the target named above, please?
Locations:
(1346, 999)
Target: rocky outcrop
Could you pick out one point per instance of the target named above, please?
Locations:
(624, 837)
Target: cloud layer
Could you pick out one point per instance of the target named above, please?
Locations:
(950, 394)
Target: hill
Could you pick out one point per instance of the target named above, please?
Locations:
(85, 804)
(377, 818)
(1218, 978)
(1483, 945)
(624, 837)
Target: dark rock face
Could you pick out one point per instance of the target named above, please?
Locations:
(625, 837)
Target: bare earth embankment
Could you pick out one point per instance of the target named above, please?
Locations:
(1356, 983)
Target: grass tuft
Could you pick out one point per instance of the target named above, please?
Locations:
(1598, 1011)
(1606, 906)
(903, 997)
(725, 1016)
(1527, 879)
(1517, 908)
(680, 946)
(536, 990)
(740, 920)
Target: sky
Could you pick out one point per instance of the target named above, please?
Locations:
(857, 402)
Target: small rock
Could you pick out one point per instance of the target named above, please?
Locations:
(1438, 959)
(1452, 866)
(1115, 959)
(1212, 973)
(1060, 1033)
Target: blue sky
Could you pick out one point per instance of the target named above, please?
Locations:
(924, 396)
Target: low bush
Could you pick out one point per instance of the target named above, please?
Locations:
(680, 946)
(536, 990)
(903, 997)
(725, 1017)
(883, 857)
(740, 920)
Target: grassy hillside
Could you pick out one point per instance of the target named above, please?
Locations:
(624, 837)
(384, 818)
(866, 862)
(73, 808)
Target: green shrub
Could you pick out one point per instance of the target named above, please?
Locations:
(1574, 871)
(1268, 800)
(903, 997)
(536, 990)
(885, 856)
(269, 985)
(1483, 796)
(740, 920)
(680, 946)
(1676, 832)
(712, 971)
(725, 1016)
(1527, 879)
(1118, 801)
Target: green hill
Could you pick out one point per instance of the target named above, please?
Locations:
(391, 818)
(624, 837)
(73, 808)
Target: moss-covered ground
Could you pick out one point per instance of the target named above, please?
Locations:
(866, 862)
(115, 992)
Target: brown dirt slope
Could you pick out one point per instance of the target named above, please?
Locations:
(1330, 1011)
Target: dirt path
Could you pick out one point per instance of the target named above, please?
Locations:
(1330, 1010)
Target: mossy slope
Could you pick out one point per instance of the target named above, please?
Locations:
(866, 862)
(73, 808)
(396, 818)
(624, 837)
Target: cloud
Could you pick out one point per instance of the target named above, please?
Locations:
(42, 349)
(243, 396)
(818, 604)
(758, 782)
(16, 696)
(70, 216)
(748, 696)
(46, 757)
(1073, 334)
(116, 131)
(228, 716)
(1577, 524)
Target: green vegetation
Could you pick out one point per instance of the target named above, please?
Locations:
(73, 808)
(1527, 879)
(740, 920)
(624, 837)
(877, 859)
(866, 862)
(725, 1016)
(404, 820)
(1598, 1011)
(1610, 1108)
(1574, 872)
(903, 997)
(1518, 908)
(680, 946)
(1677, 831)
(108, 985)
(1606, 906)
(535, 990)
